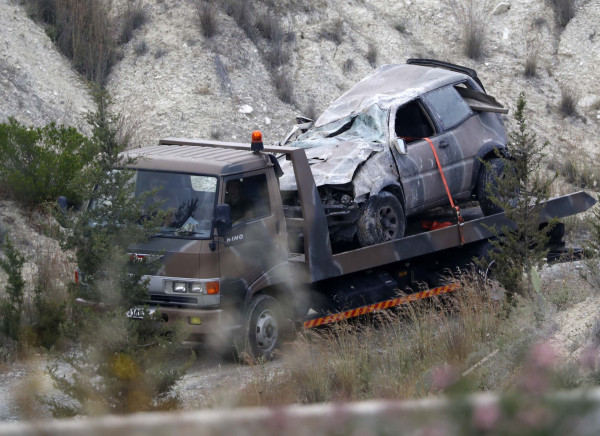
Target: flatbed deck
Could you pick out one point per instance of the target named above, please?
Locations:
(475, 228)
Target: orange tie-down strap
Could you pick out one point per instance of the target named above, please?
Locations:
(382, 305)
(455, 208)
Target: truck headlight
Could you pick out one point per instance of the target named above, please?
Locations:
(180, 287)
(202, 287)
(197, 288)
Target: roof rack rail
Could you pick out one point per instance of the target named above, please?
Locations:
(448, 66)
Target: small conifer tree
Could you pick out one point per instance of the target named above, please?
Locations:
(520, 190)
(124, 365)
(11, 306)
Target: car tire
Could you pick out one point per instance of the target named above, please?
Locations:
(489, 175)
(262, 329)
(382, 220)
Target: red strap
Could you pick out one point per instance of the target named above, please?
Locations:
(455, 209)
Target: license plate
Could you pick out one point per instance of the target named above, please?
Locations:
(139, 312)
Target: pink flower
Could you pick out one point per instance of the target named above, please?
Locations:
(589, 358)
(486, 416)
(443, 377)
(542, 355)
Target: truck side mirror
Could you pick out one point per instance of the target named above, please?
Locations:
(222, 220)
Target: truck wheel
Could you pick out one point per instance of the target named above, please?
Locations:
(262, 329)
(490, 175)
(382, 220)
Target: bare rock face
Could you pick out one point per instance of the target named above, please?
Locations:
(37, 84)
(173, 81)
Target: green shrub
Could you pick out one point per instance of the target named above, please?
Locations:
(40, 164)
(122, 365)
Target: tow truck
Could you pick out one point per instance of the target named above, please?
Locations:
(236, 267)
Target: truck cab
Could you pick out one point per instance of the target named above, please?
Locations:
(212, 267)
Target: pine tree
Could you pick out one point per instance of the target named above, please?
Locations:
(519, 190)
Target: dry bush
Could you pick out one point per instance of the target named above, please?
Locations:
(471, 16)
(333, 32)
(133, 18)
(567, 105)
(284, 87)
(564, 11)
(141, 48)
(310, 110)
(400, 26)
(348, 65)
(371, 55)
(87, 37)
(243, 13)
(161, 52)
(577, 171)
(277, 53)
(207, 17)
(531, 61)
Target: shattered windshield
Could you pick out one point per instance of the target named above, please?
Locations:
(370, 125)
(187, 200)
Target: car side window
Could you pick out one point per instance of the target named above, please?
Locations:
(248, 198)
(412, 123)
(448, 106)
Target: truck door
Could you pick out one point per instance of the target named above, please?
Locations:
(255, 247)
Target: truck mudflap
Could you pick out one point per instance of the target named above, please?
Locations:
(382, 305)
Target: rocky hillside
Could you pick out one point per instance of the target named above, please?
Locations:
(173, 81)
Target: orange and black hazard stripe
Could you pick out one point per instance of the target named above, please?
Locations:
(353, 313)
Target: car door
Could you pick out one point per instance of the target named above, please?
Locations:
(417, 167)
(450, 112)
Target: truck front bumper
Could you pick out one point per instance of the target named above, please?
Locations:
(199, 324)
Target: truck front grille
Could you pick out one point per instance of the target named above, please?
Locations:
(173, 299)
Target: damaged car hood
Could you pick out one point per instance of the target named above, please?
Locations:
(336, 150)
(331, 164)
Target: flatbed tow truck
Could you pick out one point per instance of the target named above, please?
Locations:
(242, 277)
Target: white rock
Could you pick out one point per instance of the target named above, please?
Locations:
(267, 121)
(501, 8)
(245, 109)
(588, 101)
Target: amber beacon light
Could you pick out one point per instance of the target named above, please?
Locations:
(257, 142)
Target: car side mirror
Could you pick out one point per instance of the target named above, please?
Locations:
(222, 220)
(400, 146)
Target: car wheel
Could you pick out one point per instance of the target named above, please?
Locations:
(261, 331)
(382, 220)
(488, 181)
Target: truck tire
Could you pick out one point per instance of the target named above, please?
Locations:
(382, 220)
(487, 186)
(262, 329)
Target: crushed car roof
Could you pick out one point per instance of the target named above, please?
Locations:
(389, 84)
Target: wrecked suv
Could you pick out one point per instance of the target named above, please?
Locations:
(371, 152)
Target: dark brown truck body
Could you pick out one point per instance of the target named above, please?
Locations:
(261, 282)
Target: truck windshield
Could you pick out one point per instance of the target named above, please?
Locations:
(187, 199)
